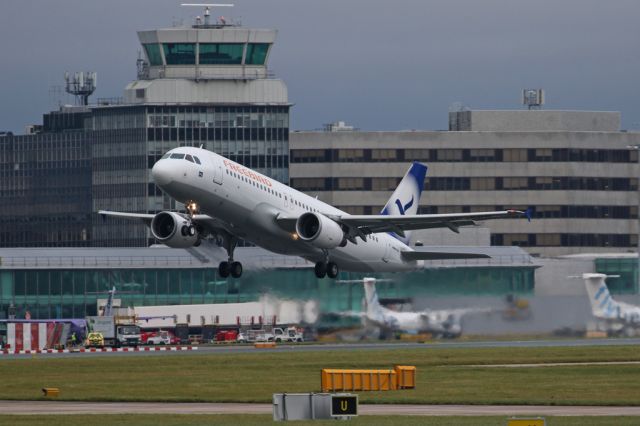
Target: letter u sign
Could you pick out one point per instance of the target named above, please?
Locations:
(344, 405)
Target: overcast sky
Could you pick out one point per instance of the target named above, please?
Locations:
(378, 65)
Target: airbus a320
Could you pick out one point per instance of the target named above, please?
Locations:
(226, 200)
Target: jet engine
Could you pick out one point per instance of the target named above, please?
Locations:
(320, 231)
(174, 230)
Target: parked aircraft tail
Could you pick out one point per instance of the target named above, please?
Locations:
(373, 307)
(602, 304)
(405, 199)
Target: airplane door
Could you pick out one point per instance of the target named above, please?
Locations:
(217, 172)
(387, 251)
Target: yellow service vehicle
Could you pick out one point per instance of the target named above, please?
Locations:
(95, 339)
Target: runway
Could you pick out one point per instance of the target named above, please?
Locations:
(319, 347)
(64, 407)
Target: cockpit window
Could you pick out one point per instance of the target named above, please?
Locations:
(167, 155)
(177, 156)
(197, 159)
(189, 158)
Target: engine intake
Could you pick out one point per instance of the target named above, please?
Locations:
(174, 230)
(320, 231)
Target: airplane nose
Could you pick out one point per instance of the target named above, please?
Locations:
(161, 173)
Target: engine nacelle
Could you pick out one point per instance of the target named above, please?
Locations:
(174, 230)
(320, 231)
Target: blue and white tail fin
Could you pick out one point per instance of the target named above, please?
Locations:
(405, 199)
(602, 304)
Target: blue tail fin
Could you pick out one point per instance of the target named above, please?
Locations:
(405, 199)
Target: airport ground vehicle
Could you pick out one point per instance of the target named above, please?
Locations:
(250, 336)
(114, 331)
(162, 337)
(289, 334)
(95, 339)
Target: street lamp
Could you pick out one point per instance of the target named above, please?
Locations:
(636, 148)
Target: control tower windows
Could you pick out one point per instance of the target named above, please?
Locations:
(256, 53)
(180, 53)
(153, 53)
(221, 53)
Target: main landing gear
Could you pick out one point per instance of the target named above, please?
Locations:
(231, 267)
(329, 269)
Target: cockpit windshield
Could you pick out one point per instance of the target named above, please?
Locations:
(179, 156)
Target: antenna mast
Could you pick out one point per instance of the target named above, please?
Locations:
(207, 13)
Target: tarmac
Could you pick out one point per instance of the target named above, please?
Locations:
(68, 407)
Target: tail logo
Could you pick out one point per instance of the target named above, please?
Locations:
(406, 206)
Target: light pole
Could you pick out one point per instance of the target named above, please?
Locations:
(636, 148)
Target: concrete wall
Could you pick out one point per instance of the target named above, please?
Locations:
(535, 121)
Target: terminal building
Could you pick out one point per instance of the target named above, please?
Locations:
(574, 169)
(68, 282)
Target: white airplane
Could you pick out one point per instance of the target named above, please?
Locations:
(227, 200)
(622, 317)
(442, 323)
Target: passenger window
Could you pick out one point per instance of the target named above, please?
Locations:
(177, 156)
(189, 158)
(197, 159)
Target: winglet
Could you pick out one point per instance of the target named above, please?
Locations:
(529, 213)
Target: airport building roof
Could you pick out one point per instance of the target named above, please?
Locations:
(209, 256)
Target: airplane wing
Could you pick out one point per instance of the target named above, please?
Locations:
(420, 253)
(209, 223)
(362, 225)
(146, 218)
(369, 224)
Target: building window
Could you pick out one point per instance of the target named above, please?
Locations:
(384, 155)
(308, 184)
(514, 155)
(256, 53)
(308, 156)
(221, 53)
(515, 183)
(350, 155)
(384, 184)
(153, 53)
(483, 184)
(350, 184)
(482, 155)
(449, 155)
(180, 53)
(417, 154)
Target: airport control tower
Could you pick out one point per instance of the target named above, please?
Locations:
(206, 84)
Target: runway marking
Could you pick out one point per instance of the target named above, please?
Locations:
(69, 407)
(547, 364)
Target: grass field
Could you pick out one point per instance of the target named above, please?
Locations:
(256, 420)
(443, 376)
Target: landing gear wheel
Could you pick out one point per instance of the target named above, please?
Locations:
(224, 269)
(320, 269)
(188, 230)
(332, 270)
(236, 269)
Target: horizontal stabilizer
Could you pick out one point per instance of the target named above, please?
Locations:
(438, 255)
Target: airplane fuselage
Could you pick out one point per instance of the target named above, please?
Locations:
(247, 205)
